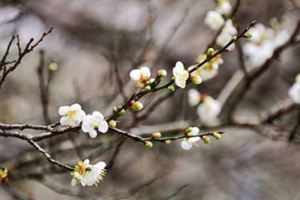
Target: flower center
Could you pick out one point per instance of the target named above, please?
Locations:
(82, 168)
(94, 124)
(71, 114)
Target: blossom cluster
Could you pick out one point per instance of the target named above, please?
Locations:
(218, 19)
(263, 42)
(142, 76)
(210, 69)
(192, 137)
(208, 108)
(294, 91)
(74, 116)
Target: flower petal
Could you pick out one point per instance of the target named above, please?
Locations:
(76, 106)
(63, 110)
(186, 145)
(103, 127)
(98, 115)
(93, 133)
(135, 74)
(145, 71)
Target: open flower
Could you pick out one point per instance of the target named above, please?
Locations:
(294, 91)
(87, 174)
(188, 143)
(208, 111)
(71, 115)
(93, 123)
(180, 74)
(214, 20)
(141, 76)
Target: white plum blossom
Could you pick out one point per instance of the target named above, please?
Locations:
(223, 7)
(263, 43)
(210, 69)
(188, 143)
(214, 20)
(93, 123)
(180, 74)
(87, 174)
(194, 97)
(208, 111)
(294, 91)
(141, 76)
(71, 115)
(226, 35)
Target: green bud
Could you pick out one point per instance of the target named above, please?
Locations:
(136, 105)
(162, 73)
(156, 135)
(210, 51)
(188, 130)
(249, 34)
(112, 123)
(206, 139)
(171, 88)
(148, 144)
(147, 88)
(196, 79)
(150, 81)
(217, 135)
(122, 112)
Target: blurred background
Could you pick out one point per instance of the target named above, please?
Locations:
(90, 41)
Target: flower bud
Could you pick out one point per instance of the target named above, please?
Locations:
(112, 123)
(249, 34)
(162, 73)
(147, 88)
(217, 135)
(168, 141)
(188, 131)
(122, 112)
(53, 67)
(171, 88)
(210, 51)
(156, 135)
(206, 139)
(148, 144)
(150, 81)
(136, 105)
(196, 79)
(3, 175)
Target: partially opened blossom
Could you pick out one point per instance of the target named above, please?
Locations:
(188, 143)
(194, 97)
(180, 74)
(71, 115)
(87, 174)
(141, 76)
(223, 7)
(93, 123)
(210, 69)
(214, 20)
(228, 32)
(294, 91)
(208, 111)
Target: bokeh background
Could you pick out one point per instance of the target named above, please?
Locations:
(92, 38)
